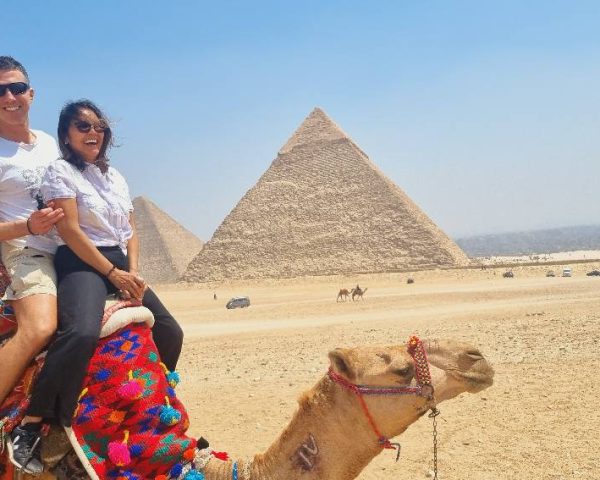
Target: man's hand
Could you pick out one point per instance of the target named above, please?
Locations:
(41, 221)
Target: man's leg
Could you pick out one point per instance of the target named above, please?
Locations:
(81, 297)
(36, 317)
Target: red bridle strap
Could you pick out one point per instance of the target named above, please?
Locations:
(423, 388)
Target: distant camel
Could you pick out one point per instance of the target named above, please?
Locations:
(358, 292)
(343, 294)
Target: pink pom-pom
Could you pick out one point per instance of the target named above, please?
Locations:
(131, 390)
(118, 452)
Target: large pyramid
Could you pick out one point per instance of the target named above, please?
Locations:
(166, 248)
(322, 208)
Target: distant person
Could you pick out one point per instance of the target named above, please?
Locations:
(97, 256)
(27, 251)
(215, 296)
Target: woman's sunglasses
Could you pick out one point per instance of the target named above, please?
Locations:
(85, 127)
(16, 88)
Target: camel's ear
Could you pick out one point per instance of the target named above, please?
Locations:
(342, 363)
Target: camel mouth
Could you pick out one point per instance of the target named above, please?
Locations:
(463, 362)
(477, 378)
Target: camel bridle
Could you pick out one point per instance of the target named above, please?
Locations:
(423, 388)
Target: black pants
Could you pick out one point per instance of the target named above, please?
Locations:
(82, 293)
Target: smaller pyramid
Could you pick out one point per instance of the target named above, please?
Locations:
(166, 248)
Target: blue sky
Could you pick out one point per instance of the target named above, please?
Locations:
(485, 113)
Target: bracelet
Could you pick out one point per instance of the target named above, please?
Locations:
(29, 227)
(111, 270)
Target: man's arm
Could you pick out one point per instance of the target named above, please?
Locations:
(38, 223)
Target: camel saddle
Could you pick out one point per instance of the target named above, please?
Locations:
(129, 423)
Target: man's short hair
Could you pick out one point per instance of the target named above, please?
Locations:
(9, 63)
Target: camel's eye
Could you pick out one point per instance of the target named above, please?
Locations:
(385, 357)
(402, 372)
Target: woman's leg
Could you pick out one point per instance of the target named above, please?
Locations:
(166, 332)
(81, 297)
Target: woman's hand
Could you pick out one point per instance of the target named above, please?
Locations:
(128, 282)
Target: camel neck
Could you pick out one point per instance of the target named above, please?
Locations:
(328, 438)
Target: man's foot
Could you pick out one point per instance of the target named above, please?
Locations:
(24, 448)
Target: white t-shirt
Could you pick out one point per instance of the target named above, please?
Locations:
(103, 201)
(22, 167)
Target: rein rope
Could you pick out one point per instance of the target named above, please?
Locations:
(424, 388)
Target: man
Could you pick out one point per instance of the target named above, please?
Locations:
(27, 246)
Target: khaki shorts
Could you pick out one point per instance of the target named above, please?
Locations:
(31, 272)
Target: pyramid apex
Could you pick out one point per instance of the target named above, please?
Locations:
(141, 199)
(317, 127)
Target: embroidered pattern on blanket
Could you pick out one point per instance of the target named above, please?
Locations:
(129, 424)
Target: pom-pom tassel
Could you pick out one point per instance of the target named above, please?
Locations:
(118, 452)
(176, 470)
(169, 415)
(172, 377)
(194, 475)
(132, 389)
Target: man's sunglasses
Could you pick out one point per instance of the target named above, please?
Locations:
(16, 88)
(85, 127)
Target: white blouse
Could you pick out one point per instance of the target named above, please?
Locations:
(103, 201)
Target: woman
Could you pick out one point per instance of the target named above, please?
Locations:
(98, 256)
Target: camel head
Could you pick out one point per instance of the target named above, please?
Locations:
(370, 395)
(456, 368)
(388, 378)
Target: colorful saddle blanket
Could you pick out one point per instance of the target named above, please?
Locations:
(129, 423)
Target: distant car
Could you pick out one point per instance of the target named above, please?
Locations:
(567, 272)
(238, 302)
(550, 273)
(593, 273)
(508, 274)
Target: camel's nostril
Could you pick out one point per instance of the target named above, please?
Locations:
(474, 355)
(385, 357)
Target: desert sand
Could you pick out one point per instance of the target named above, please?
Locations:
(243, 370)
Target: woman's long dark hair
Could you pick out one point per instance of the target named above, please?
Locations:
(71, 112)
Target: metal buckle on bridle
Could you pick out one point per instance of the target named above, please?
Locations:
(397, 447)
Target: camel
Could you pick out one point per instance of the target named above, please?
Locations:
(330, 436)
(369, 395)
(358, 292)
(343, 295)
